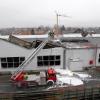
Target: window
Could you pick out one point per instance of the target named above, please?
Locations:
(3, 60)
(99, 59)
(51, 57)
(16, 59)
(11, 62)
(48, 60)
(39, 57)
(4, 65)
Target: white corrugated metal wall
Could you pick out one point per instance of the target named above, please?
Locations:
(77, 59)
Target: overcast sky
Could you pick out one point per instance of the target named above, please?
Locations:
(30, 13)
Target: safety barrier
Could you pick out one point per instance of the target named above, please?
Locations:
(70, 93)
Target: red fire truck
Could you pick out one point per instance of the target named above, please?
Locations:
(47, 77)
(20, 78)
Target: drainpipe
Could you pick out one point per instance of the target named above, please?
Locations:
(64, 58)
(95, 55)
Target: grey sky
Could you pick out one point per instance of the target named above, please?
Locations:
(30, 13)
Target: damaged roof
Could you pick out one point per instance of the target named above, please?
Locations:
(29, 45)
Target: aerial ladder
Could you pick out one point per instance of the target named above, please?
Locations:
(21, 67)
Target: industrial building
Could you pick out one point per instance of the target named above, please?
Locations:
(80, 52)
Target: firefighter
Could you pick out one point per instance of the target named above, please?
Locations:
(51, 35)
(51, 76)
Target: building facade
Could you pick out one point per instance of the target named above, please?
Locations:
(76, 56)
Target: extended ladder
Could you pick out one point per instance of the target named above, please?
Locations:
(28, 60)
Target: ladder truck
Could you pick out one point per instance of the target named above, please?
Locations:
(21, 79)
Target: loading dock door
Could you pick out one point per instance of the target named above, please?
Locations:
(75, 64)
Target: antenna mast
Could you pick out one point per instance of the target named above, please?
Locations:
(57, 19)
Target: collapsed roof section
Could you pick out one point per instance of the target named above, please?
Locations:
(69, 43)
(19, 42)
(30, 45)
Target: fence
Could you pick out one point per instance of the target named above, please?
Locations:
(70, 93)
